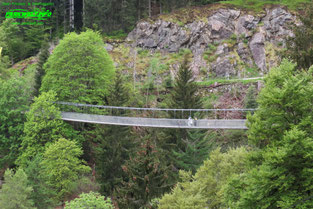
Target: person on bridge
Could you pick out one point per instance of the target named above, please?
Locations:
(190, 121)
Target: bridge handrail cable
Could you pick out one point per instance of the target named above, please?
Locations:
(147, 109)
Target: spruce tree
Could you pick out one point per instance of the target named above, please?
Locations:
(300, 46)
(119, 94)
(182, 144)
(185, 92)
(16, 192)
(197, 148)
(43, 194)
(114, 142)
(147, 175)
(250, 99)
(183, 96)
(43, 56)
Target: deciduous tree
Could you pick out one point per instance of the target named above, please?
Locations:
(80, 69)
(14, 101)
(285, 101)
(43, 126)
(62, 167)
(205, 188)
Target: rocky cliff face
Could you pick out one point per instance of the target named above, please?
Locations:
(228, 43)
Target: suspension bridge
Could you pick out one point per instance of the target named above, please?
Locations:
(155, 117)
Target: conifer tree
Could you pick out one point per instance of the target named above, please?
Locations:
(43, 56)
(183, 96)
(43, 194)
(180, 141)
(250, 99)
(16, 192)
(300, 46)
(185, 92)
(115, 143)
(197, 148)
(119, 94)
(147, 176)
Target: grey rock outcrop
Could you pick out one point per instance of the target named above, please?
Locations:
(257, 49)
(250, 32)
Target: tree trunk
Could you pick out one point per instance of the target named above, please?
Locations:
(149, 2)
(71, 10)
(64, 17)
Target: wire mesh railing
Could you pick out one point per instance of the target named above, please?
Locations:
(153, 112)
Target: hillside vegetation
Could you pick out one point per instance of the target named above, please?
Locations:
(255, 56)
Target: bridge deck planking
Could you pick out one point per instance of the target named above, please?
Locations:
(154, 122)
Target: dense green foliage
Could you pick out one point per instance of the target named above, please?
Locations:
(250, 99)
(13, 101)
(286, 101)
(62, 167)
(187, 149)
(205, 188)
(299, 47)
(258, 5)
(115, 142)
(43, 195)
(15, 192)
(19, 43)
(133, 167)
(80, 69)
(123, 15)
(147, 175)
(198, 145)
(43, 126)
(282, 128)
(43, 56)
(282, 180)
(90, 200)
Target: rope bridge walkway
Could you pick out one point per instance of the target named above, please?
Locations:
(154, 117)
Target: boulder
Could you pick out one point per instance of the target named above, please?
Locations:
(246, 23)
(223, 67)
(108, 47)
(258, 52)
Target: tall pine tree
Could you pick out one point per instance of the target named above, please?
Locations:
(114, 142)
(16, 192)
(43, 56)
(250, 99)
(183, 145)
(147, 175)
(300, 46)
(197, 148)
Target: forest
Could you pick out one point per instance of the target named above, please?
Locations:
(85, 60)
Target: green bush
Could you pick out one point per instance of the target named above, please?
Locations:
(90, 200)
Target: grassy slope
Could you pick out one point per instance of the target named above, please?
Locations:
(258, 5)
